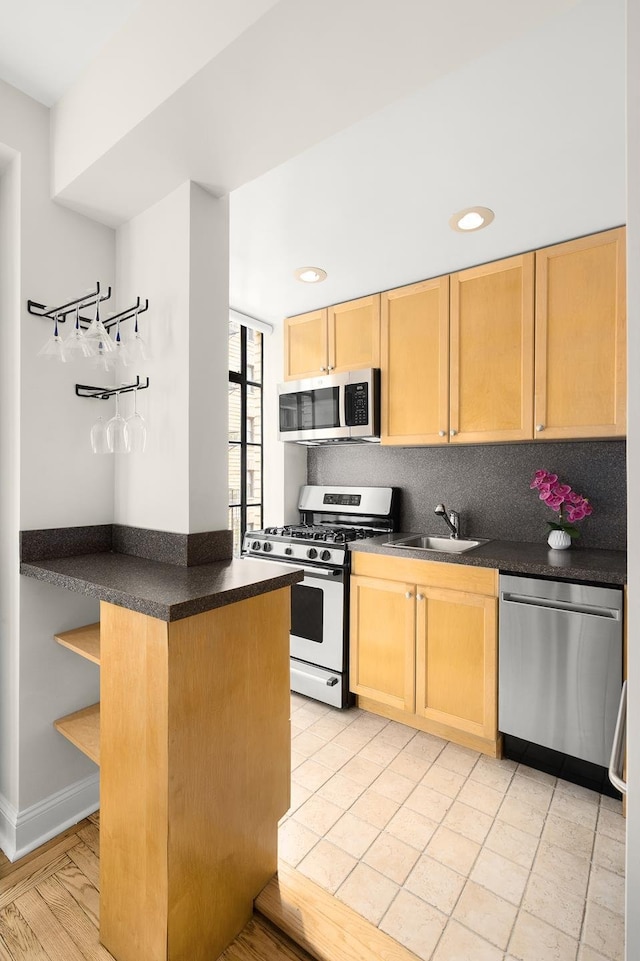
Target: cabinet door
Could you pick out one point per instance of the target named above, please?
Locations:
(456, 660)
(354, 334)
(382, 659)
(305, 345)
(581, 338)
(492, 352)
(415, 364)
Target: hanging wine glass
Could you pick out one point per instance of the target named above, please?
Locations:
(76, 343)
(99, 443)
(98, 337)
(137, 346)
(117, 431)
(121, 348)
(54, 349)
(136, 428)
(103, 359)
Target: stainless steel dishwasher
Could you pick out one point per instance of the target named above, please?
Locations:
(560, 659)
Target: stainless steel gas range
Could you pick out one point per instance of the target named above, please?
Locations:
(330, 518)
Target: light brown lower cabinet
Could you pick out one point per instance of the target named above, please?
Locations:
(194, 752)
(424, 646)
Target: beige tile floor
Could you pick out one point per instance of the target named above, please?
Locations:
(457, 856)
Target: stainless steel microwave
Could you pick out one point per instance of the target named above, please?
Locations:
(324, 410)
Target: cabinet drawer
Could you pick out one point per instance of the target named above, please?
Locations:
(456, 577)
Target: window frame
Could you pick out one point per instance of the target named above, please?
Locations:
(241, 378)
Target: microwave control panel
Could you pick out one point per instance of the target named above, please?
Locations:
(357, 405)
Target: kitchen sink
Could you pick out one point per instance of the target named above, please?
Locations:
(435, 542)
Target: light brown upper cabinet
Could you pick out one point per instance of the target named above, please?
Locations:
(415, 363)
(491, 370)
(305, 345)
(580, 382)
(334, 339)
(457, 357)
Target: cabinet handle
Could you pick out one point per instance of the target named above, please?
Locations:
(408, 595)
(442, 433)
(539, 427)
(453, 432)
(419, 597)
(330, 367)
(323, 369)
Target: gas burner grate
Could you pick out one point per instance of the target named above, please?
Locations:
(320, 532)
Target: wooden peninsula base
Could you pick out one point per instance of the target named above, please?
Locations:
(195, 774)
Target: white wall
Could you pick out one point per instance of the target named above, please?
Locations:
(9, 467)
(49, 478)
(633, 460)
(152, 257)
(176, 254)
(207, 418)
(285, 465)
(61, 255)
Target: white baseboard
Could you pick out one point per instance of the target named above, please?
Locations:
(23, 831)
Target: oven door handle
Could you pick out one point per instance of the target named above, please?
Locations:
(326, 573)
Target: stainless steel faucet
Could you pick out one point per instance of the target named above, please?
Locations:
(451, 519)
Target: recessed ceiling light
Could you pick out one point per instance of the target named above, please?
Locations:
(311, 275)
(471, 218)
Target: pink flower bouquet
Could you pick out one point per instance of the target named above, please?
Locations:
(559, 497)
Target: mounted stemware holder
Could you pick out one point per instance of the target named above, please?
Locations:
(90, 338)
(103, 393)
(118, 435)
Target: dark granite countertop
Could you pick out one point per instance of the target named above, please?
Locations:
(606, 567)
(166, 591)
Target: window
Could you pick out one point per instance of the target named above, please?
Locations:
(245, 431)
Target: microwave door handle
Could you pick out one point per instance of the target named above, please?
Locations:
(342, 404)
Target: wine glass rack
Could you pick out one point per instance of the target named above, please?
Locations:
(103, 393)
(90, 299)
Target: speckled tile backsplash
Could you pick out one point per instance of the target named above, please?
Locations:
(489, 485)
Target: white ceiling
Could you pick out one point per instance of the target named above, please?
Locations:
(46, 44)
(525, 116)
(534, 130)
(286, 81)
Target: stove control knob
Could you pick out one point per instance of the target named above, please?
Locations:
(267, 546)
(312, 552)
(255, 546)
(325, 556)
(288, 550)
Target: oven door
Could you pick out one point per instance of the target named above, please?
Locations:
(318, 602)
(317, 618)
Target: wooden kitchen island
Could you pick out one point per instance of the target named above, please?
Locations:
(194, 745)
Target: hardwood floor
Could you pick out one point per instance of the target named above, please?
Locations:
(261, 941)
(49, 911)
(49, 900)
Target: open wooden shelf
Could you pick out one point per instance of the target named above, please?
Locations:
(82, 728)
(82, 640)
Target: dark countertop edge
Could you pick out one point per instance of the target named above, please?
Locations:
(163, 612)
(178, 612)
(568, 568)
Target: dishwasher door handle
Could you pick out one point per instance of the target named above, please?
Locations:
(616, 764)
(526, 600)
